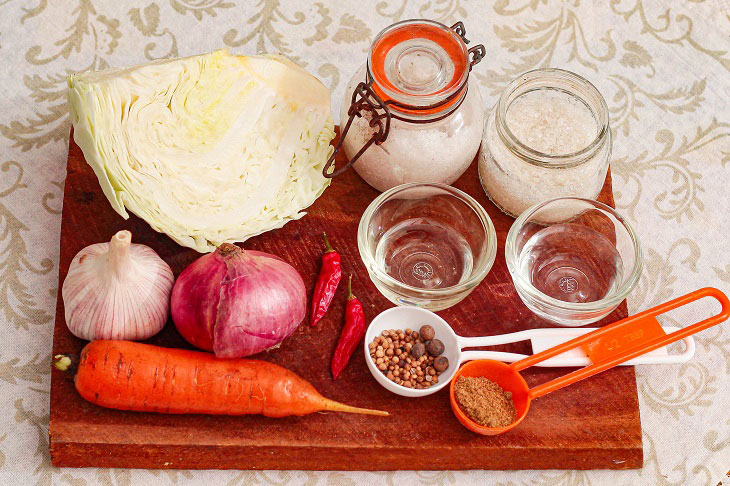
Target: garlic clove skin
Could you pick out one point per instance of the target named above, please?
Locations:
(117, 290)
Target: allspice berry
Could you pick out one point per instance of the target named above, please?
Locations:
(441, 364)
(427, 333)
(418, 350)
(434, 347)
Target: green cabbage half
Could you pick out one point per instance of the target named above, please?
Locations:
(208, 149)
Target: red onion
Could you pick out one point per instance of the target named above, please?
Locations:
(237, 303)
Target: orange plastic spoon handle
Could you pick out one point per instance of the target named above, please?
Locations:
(624, 340)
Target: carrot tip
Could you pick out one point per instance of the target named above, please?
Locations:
(334, 406)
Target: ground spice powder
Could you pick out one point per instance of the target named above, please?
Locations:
(484, 401)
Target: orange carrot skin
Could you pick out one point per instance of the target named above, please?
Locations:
(128, 375)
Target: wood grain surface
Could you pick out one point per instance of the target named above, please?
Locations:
(594, 424)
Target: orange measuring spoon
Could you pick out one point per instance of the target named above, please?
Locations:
(606, 347)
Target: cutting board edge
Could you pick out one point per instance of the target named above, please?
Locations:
(64, 454)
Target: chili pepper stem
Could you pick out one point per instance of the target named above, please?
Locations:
(350, 295)
(328, 247)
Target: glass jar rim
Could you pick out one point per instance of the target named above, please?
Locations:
(419, 105)
(571, 84)
(511, 257)
(478, 273)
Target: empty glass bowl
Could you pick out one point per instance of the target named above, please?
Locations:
(426, 244)
(572, 260)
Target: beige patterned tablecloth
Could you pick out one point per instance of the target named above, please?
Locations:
(663, 67)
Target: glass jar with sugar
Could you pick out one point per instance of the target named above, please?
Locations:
(411, 113)
(547, 137)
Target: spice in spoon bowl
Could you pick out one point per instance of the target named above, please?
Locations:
(484, 401)
(408, 358)
(431, 348)
(506, 411)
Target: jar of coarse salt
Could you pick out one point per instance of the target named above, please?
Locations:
(411, 113)
(547, 137)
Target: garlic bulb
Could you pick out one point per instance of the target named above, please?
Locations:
(117, 290)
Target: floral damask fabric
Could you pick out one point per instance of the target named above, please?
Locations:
(663, 67)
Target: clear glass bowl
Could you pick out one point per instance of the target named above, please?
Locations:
(426, 244)
(573, 260)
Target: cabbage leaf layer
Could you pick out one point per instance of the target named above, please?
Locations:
(207, 149)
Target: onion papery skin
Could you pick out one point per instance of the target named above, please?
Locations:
(238, 302)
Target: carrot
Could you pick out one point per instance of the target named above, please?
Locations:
(133, 376)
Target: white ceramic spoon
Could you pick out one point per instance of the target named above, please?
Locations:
(404, 317)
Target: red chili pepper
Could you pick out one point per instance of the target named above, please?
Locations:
(329, 278)
(351, 334)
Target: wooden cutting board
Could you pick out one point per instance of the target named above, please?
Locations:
(594, 424)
